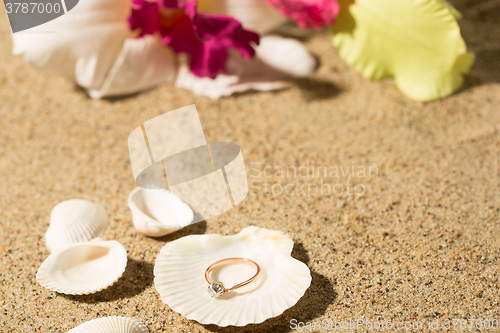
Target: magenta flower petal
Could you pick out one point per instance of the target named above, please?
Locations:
(227, 31)
(217, 34)
(169, 3)
(206, 38)
(144, 17)
(308, 13)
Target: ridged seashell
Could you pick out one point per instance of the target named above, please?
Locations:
(75, 221)
(83, 268)
(157, 212)
(114, 324)
(181, 264)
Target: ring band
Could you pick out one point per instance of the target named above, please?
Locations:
(216, 289)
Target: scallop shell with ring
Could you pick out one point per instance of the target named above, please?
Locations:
(83, 268)
(181, 264)
(75, 221)
(157, 212)
(113, 324)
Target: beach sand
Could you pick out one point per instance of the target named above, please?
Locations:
(419, 242)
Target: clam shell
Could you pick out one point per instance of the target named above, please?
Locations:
(157, 212)
(83, 268)
(114, 324)
(75, 221)
(181, 264)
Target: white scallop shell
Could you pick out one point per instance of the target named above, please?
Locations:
(75, 221)
(83, 268)
(157, 212)
(181, 264)
(114, 324)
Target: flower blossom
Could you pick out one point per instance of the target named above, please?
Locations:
(308, 13)
(206, 38)
(93, 46)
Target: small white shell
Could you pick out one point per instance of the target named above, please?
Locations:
(83, 268)
(114, 324)
(181, 264)
(75, 221)
(157, 212)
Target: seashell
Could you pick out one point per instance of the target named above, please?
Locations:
(114, 324)
(157, 212)
(83, 268)
(180, 268)
(75, 221)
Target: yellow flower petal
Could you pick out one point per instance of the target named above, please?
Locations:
(416, 41)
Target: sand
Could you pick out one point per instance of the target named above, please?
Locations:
(419, 244)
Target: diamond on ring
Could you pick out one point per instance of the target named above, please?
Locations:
(216, 289)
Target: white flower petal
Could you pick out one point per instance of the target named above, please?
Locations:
(142, 64)
(286, 55)
(256, 15)
(222, 85)
(81, 44)
(277, 59)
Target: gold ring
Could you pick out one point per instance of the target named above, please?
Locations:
(216, 289)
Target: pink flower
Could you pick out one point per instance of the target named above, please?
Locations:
(94, 47)
(205, 37)
(308, 13)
